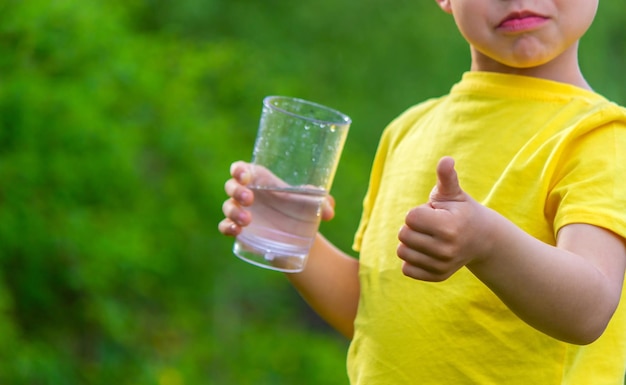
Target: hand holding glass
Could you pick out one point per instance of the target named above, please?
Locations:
(295, 158)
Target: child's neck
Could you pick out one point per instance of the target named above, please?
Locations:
(563, 69)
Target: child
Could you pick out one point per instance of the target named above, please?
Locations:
(512, 271)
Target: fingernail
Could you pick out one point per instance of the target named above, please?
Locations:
(242, 176)
(240, 218)
(247, 176)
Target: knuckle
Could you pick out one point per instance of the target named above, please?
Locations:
(451, 233)
(402, 234)
(439, 269)
(226, 227)
(226, 207)
(413, 216)
(449, 252)
(401, 251)
(229, 187)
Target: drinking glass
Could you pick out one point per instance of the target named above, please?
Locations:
(295, 157)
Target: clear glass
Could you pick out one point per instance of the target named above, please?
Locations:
(295, 157)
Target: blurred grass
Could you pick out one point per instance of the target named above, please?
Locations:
(118, 122)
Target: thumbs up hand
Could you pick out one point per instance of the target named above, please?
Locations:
(444, 234)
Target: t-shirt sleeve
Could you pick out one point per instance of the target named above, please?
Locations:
(591, 184)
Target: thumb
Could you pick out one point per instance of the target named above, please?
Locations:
(448, 187)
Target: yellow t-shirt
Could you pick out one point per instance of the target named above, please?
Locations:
(541, 153)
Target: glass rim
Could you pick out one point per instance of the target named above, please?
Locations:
(344, 120)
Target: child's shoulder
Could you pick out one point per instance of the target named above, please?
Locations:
(421, 108)
(402, 124)
(411, 115)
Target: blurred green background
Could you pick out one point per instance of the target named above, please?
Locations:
(118, 123)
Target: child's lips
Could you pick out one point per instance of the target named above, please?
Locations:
(521, 22)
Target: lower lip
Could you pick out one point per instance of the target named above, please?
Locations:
(523, 24)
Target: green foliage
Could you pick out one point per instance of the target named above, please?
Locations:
(118, 122)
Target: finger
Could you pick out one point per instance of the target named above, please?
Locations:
(415, 239)
(448, 187)
(420, 264)
(241, 171)
(235, 213)
(240, 193)
(229, 228)
(424, 250)
(421, 274)
(328, 208)
(422, 219)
